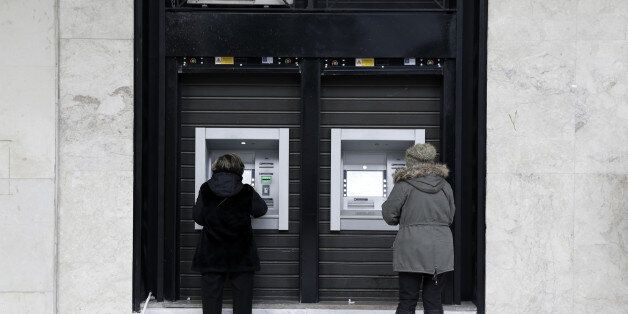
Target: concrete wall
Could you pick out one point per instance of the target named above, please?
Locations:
(557, 182)
(66, 156)
(95, 156)
(28, 89)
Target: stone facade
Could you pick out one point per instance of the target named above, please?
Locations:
(95, 186)
(28, 105)
(557, 181)
(66, 156)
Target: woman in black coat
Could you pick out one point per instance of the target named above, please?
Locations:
(227, 248)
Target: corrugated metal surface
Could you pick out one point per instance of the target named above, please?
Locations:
(251, 100)
(381, 4)
(358, 264)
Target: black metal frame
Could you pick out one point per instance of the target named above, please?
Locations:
(263, 33)
(320, 5)
(161, 153)
(310, 139)
(450, 155)
(148, 218)
(459, 172)
(171, 160)
(138, 125)
(480, 267)
(156, 80)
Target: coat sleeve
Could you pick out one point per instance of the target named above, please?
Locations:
(198, 210)
(391, 208)
(259, 207)
(449, 193)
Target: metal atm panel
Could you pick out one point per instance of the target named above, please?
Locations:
(265, 155)
(363, 162)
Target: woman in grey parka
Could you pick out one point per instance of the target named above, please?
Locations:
(422, 204)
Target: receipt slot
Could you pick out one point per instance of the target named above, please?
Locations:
(265, 153)
(363, 162)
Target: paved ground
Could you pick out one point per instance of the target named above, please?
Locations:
(183, 307)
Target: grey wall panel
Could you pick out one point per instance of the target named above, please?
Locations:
(187, 226)
(363, 269)
(368, 294)
(186, 214)
(270, 294)
(268, 268)
(241, 100)
(375, 104)
(358, 282)
(267, 254)
(358, 264)
(266, 281)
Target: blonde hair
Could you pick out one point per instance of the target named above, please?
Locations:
(228, 163)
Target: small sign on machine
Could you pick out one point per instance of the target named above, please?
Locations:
(224, 60)
(364, 62)
(409, 61)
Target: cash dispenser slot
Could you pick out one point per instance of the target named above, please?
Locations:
(360, 203)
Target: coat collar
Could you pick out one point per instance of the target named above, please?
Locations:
(421, 170)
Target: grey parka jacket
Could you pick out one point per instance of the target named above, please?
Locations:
(422, 204)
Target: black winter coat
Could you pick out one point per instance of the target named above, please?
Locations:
(224, 208)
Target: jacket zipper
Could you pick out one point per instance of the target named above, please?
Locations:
(435, 278)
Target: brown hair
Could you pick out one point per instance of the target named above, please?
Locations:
(228, 163)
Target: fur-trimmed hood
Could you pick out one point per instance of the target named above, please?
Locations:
(421, 170)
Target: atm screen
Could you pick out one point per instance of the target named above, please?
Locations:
(365, 183)
(247, 176)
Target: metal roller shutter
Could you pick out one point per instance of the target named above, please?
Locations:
(358, 264)
(242, 100)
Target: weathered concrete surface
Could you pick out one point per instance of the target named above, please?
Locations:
(95, 156)
(557, 183)
(28, 84)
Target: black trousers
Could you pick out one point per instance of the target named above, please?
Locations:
(410, 284)
(212, 286)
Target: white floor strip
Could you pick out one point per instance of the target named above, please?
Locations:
(293, 311)
(319, 308)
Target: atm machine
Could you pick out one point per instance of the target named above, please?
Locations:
(363, 162)
(265, 153)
